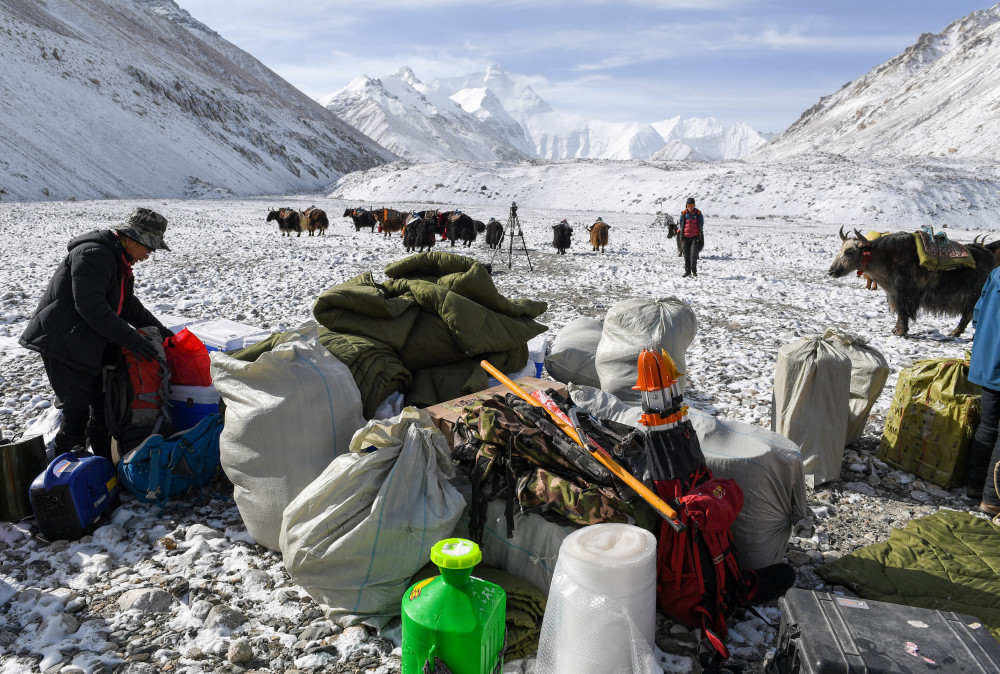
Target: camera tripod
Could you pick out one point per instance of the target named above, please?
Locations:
(512, 230)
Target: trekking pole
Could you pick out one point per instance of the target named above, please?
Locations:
(599, 453)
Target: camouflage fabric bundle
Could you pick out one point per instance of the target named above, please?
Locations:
(513, 451)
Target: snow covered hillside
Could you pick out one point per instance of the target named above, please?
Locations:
(136, 98)
(499, 116)
(940, 97)
(891, 195)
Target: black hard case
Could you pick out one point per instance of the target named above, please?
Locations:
(827, 634)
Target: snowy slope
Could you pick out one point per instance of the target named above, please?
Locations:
(829, 188)
(940, 97)
(418, 123)
(136, 98)
(402, 114)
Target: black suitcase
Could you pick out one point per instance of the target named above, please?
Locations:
(826, 634)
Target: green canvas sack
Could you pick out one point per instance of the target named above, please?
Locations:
(931, 420)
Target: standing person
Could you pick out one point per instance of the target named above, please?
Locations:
(86, 314)
(691, 228)
(984, 369)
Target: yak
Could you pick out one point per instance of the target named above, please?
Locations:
(561, 236)
(892, 262)
(494, 234)
(361, 218)
(390, 220)
(599, 234)
(418, 233)
(461, 228)
(289, 220)
(315, 220)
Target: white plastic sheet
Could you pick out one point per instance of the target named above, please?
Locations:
(600, 615)
(355, 536)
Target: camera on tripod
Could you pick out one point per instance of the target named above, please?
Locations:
(513, 209)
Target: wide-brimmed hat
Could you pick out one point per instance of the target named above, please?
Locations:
(146, 227)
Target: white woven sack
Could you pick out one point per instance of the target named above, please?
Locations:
(288, 415)
(767, 466)
(812, 386)
(355, 536)
(869, 372)
(573, 352)
(633, 325)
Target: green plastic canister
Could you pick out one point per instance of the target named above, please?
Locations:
(454, 617)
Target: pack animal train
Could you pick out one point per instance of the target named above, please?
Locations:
(289, 220)
(315, 220)
(562, 235)
(599, 235)
(891, 261)
(361, 218)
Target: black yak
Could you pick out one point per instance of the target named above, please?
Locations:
(891, 261)
(418, 233)
(289, 220)
(361, 218)
(494, 233)
(561, 236)
(461, 228)
(599, 234)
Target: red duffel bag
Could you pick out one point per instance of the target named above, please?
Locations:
(187, 358)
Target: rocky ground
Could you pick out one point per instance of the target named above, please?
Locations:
(187, 590)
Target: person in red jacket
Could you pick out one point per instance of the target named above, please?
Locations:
(691, 229)
(87, 313)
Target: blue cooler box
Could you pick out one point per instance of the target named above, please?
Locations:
(191, 404)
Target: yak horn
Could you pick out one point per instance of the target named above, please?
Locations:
(861, 237)
(842, 236)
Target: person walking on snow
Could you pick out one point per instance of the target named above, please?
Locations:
(691, 228)
(87, 313)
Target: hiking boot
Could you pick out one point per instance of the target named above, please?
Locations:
(991, 510)
(686, 274)
(974, 493)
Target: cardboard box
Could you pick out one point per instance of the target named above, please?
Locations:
(446, 414)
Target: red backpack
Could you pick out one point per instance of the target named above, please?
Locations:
(698, 578)
(135, 396)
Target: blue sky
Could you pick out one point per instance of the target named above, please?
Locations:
(761, 62)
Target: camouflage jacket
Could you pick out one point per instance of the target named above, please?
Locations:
(513, 451)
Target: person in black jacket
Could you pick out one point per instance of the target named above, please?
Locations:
(86, 314)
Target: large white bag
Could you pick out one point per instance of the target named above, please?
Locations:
(573, 352)
(633, 325)
(869, 372)
(812, 386)
(287, 416)
(355, 536)
(767, 467)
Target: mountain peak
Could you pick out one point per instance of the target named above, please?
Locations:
(405, 74)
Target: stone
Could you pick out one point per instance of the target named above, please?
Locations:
(225, 617)
(239, 651)
(202, 531)
(201, 608)
(147, 600)
(316, 632)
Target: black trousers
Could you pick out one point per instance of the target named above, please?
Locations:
(691, 255)
(80, 396)
(984, 450)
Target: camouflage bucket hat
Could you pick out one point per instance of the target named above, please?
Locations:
(147, 227)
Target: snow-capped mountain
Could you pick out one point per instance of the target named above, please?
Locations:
(135, 98)
(420, 124)
(412, 119)
(940, 97)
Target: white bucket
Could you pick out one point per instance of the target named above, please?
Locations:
(601, 610)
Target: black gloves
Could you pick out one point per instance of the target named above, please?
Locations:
(141, 347)
(166, 332)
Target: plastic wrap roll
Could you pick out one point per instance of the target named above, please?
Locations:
(601, 610)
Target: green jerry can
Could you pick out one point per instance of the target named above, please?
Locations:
(454, 617)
